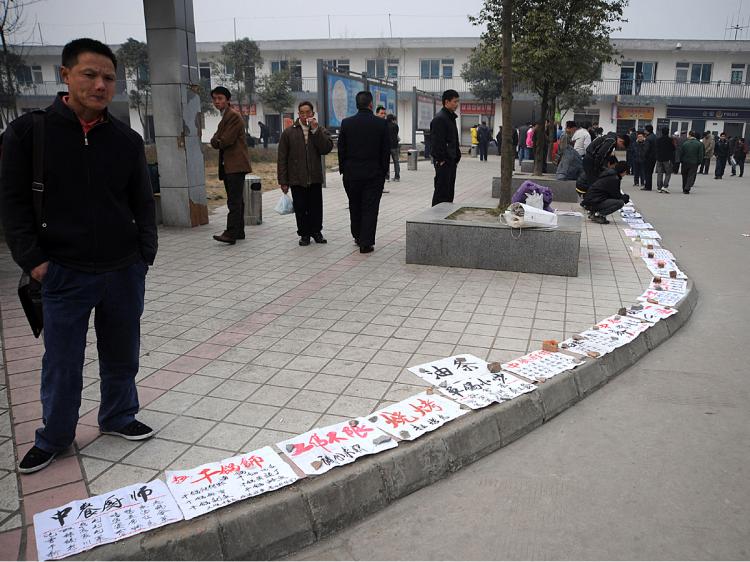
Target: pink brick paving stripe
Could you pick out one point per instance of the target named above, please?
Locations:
(30, 553)
(186, 364)
(164, 379)
(60, 472)
(22, 341)
(24, 379)
(17, 331)
(24, 353)
(260, 318)
(23, 365)
(14, 322)
(40, 501)
(148, 395)
(245, 328)
(26, 412)
(208, 350)
(24, 395)
(10, 544)
(275, 308)
(24, 431)
(89, 419)
(227, 338)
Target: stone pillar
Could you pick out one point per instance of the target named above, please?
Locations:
(170, 34)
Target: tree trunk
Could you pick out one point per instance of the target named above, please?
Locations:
(540, 138)
(508, 157)
(12, 109)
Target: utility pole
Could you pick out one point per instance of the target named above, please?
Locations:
(104, 28)
(235, 28)
(329, 26)
(390, 25)
(41, 39)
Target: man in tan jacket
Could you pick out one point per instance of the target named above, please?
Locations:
(300, 167)
(234, 163)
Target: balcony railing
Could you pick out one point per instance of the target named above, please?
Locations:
(671, 89)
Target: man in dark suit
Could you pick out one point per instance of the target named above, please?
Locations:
(446, 150)
(364, 153)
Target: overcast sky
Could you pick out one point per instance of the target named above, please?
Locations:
(215, 20)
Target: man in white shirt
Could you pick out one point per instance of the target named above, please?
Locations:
(580, 138)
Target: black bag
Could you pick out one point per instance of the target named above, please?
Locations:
(29, 289)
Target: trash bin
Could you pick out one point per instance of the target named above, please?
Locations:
(153, 173)
(253, 201)
(411, 158)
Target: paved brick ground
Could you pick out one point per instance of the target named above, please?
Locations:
(246, 345)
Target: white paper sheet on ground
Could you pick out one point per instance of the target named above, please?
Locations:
(658, 253)
(216, 484)
(630, 233)
(451, 368)
(641, 225)
(597, 342)
(663, 271)
(669, 284)
(319, 450)
(651, 312)
(625, 327)
(82, 525)
(649, 234)
(664, 298)
(541, 365)
(415, 416)
(479, 392)
(653, 242)
(631, 215)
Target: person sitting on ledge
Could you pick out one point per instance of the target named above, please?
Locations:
(604, 196)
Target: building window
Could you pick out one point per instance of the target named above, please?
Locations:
(429, 68)
(204, 71)
(392, 68)
(340, 65)
(295, 75)
(447, 68)
(279, 65)
(682, 69)
(700, 72)
(738, 74)
(27, 75)
(36, 71)
(376, 68)
(58, 74)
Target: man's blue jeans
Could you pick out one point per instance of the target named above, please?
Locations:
(68, 297)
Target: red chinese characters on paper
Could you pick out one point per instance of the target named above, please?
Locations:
(208, 474)
(421, 408)
(331, 438)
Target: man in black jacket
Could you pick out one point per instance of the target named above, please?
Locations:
(604, 197)
(483, 136)
(446, 149)
(664, 159)
(595, 158)
(722, 152)
(394, 139)
(364, 153)
(650, 162)
(90, 249)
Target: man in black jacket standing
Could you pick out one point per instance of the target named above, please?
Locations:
(90, 249)
(446, 151)
(650, 162)
(483, 136)
(364, 154)
(664, 159)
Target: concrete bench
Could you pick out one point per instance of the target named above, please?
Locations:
(433, 239)
(527, 167)
(563, 191)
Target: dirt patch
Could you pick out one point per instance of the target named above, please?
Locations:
(476, 214)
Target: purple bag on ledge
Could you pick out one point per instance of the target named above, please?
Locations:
(530, 187)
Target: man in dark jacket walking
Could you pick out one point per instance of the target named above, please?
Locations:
(446, 151)
(604, 196)
(299, 167)
(364, 153)
(691, 156)
(90, 249)
(650, 158)
(395, 145)
(664, 159)
(483, 135)
(721, 150)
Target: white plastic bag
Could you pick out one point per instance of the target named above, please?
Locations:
(285, 206)
(535, 199)
(519, 215)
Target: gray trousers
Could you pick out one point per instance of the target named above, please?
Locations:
(396, 165)
(662, 169)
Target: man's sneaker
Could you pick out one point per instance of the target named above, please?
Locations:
(304, 241)
(134, 431)
(599, 220)
(396, 179)
(34, 460)
(665, 190)
(318, 237)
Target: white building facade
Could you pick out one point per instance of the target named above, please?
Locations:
(682, 85)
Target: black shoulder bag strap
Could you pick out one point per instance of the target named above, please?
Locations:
(37, 184)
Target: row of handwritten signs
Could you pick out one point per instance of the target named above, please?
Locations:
(463, 382)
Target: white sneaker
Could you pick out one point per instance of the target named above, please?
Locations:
(665, 190)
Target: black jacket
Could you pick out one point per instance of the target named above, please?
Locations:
(483, 133)
(650, 146)
(594, 160)
(364, 147)
(607, 186)
(98, 210)
(445, 143)
(664, 149)
(393, 134)
(722, 149)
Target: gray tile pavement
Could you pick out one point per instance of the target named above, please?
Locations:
(246, 345)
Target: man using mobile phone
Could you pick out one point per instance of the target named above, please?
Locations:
(299, 167)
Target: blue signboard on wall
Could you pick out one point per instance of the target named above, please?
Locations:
(341, 92)
(385, 96)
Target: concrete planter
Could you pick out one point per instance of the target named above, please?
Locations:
(433, 239)
(563, 191)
